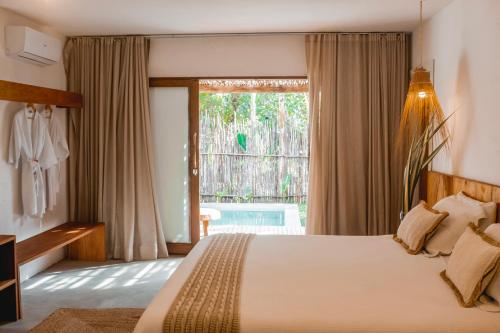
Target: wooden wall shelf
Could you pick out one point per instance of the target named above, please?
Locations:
(25, 93)
(9, 282)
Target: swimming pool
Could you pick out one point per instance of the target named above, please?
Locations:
(253, 214)
(251, 217)
(254, 218)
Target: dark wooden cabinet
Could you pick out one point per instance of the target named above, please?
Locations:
(9, 282)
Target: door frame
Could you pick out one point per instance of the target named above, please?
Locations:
(193, 84)
(194, 139)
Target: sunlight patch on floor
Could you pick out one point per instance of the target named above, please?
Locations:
(74, 284)
(99, 277)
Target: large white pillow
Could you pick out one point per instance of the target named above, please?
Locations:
(449, 231)
(493, 289)
(472, 264)
(490, 209)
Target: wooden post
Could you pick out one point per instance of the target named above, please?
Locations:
(206, 221)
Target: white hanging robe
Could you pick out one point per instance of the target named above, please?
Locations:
(30, 146)
(61, 150)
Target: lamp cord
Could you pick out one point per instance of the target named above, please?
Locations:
(421, 34)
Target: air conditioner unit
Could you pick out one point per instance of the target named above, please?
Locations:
(29, 45)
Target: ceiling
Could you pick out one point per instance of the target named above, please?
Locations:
(110, 17)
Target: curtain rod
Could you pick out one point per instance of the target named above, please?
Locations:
(250, 34)
(244, 34)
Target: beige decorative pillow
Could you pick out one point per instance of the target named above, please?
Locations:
(493, 289)
(472, 264)
(453, 226)
(490, 209)
(417, 226)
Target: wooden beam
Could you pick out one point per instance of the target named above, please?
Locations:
(168, 82)
(25, 93)
(179, 81)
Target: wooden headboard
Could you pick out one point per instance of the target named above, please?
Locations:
(440, 185)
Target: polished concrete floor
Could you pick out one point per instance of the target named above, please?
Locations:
(75, 284)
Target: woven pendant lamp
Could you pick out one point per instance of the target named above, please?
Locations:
(422, 120)
(422, 103)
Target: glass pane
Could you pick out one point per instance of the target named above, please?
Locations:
(170, 126)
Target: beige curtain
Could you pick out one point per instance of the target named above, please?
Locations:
(357, 85)
(111, 168)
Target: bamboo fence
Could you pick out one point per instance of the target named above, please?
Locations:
(272, 168)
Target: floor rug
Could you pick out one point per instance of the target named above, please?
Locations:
(90, 321)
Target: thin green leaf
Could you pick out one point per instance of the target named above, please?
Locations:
(434, 153)
(242, 141)
(438, 127)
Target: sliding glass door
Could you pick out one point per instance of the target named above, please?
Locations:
(174, 113)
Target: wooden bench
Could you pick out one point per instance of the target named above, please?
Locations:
(85, 241)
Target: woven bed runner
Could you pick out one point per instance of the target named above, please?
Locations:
(209, 301)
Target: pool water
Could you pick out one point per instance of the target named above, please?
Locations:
(251, 217)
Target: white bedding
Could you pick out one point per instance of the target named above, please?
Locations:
(335, 284)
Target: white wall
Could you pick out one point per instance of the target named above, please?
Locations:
(463, 38)
(278, 55)
(12, 221)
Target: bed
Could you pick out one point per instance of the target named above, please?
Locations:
(341, 284)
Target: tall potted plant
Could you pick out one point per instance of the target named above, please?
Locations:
(420, 154)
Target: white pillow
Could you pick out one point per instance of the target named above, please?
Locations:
(453, 226)
(493, 289)
(490, 209)
(472, 264)
(493, 231)
(418, 224)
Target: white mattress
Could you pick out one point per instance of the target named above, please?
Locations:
(335, 284)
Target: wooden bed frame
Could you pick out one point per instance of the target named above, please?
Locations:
(440, 185)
